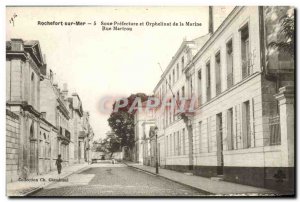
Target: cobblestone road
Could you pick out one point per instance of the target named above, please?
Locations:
(116, 180)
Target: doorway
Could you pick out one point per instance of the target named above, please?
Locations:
(219, 130)
(32, 148)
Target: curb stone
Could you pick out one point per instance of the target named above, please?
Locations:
(50, 183)
(206, 193)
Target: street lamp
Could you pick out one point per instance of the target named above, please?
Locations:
(156, 156)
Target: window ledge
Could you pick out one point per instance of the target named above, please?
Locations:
(236, 85)
(274, 148)
(205, 154)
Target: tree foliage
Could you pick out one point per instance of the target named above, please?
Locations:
(110, 144)
(122, 121)
(287, 31)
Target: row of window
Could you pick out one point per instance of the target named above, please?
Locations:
(44, 146)
(169, 116)
(247, 64)
(232, 139)
(237, 129)
(175, 143)
(172, 78)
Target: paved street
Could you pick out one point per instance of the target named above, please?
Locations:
(116, 180)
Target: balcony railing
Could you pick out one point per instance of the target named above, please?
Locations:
(274, 126)
(286, 64)
(67, 134)
(247, 68)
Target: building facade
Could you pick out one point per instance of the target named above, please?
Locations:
(143, 120)
(85, 139)
(170, 127)
(55, 108)
(40, 123)
(76, 126)
(29, 132)
(238, 130)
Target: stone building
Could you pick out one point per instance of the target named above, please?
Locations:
(28, 132)
(76, 112)
(85, 138)
(55, 109)
(143, 120)
(42, 121)
(242, 128)
(12, 146)
(170, 126)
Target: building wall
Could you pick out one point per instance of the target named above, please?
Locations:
(239, 158)
(45, 157)
(143, 119)
(28, 147)
(48, 101)
(23, 80)
(77, 128)
(32, 143)
(54, 148)
(72, 131)
(12, 146)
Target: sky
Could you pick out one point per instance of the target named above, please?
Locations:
(99, 64)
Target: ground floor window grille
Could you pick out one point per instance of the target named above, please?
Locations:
(274, 126)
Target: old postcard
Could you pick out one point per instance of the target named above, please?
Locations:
(158, 101)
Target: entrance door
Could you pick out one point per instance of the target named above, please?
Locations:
(190, 136)
(219, 130)
(32, 148)
(79, 152)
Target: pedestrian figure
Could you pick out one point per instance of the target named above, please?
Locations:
(58, 163)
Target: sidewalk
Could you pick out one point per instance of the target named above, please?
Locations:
(21, 188)
(205, 184)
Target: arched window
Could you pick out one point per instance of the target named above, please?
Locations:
(32, 149)
(32, 89)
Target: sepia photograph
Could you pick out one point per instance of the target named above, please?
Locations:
(150, 101)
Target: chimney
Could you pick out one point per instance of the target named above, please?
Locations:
(65, 90)
(210, 20)
(17, 45)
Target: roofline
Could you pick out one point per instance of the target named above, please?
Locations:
(76, 94)
(178, 52)
(212, 38)
(36, 43)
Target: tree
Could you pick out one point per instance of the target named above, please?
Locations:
(122, 121)
(122, 124)
(97, 145)
(286, 42)
(111, 143)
